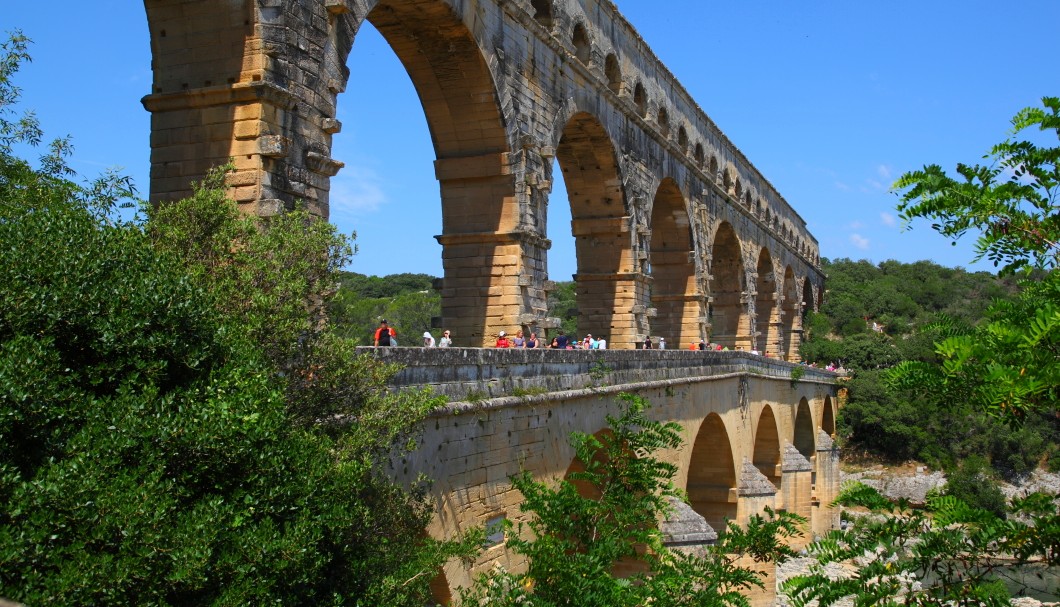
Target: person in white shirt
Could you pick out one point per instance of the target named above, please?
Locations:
(428, 339)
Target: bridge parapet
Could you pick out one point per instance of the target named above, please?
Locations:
(479, 373)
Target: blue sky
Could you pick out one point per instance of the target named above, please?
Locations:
(831, 100)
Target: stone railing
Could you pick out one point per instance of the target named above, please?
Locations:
(472, 374)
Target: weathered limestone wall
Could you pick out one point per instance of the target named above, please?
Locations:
(678, 234)
(472, 449)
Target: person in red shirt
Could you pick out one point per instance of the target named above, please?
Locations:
(503, 341)
(385, 335)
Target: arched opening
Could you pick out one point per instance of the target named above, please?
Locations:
(663, 120)
(738, 190)
(640, 99)
(804, 306)
(605, 287)
(712, 474)
(542, 12)
(713, 170)
(682, 138)
(789, 313)
(674, 292)
(805, 438)
(766, 306)
(726, 181)
(728, 317)
(440, 592)
(624, 567)
(828, 417)
(459, 100)
(613, 73)
(767, 446)
(582, 44)
(698, 155)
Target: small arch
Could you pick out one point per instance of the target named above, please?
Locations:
(713, 169)
(828, 417)
(758, 208)
(440, 592)
(613, 72)
(542, 12)
(769, 216)
(663, 119)
(698, 155)
(726, 180)
(738, 188)
(682, 138)
(767, 446)
(747, 200)
(804, 439)
(712, 474)
(640, 99)
(582, 44)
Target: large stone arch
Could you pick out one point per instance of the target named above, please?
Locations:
(675, 296)
(278, 93)
(767, 452)
(766, 329)
(712, 476)
(804, 435)
(730, 324)
(607, 278)
(788, 346)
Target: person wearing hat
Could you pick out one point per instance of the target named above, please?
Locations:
(428, 339)
(502, 340)
(385, 336)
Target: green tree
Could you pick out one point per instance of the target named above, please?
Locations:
(1011, 364)
(577, 540)
(944, 554)
(163, 380)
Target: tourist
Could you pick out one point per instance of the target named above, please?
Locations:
(428, 339)
(385, 335)
(532, 342)
(503, 341)
(519, 341)
(647, 344)
(702, 344)
(445, 341)
(662, 343)
(554, 345)
(562, 341)
(601, 344)
(587, 342)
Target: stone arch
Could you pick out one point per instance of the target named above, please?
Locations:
(767, 451)
(766, 305)
(682, 138)
(808, 303)
(674, 293)
(479, 205)
(728, 314)
(624, 567)
(601, 228)
(737, 189)
(613, 73)
(663, 120)
(804, 437)
(542, 12)
(828, 417)
(583, 46)
(713, 169)
(640, 99)
(726, 180)
(789, 314)
(698, 155)
(747, 199)
(440, 590)
(711, 483)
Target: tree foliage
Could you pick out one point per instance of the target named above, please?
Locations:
(1009, 365)
(162, 386)
(948, 553)
(578, 541)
